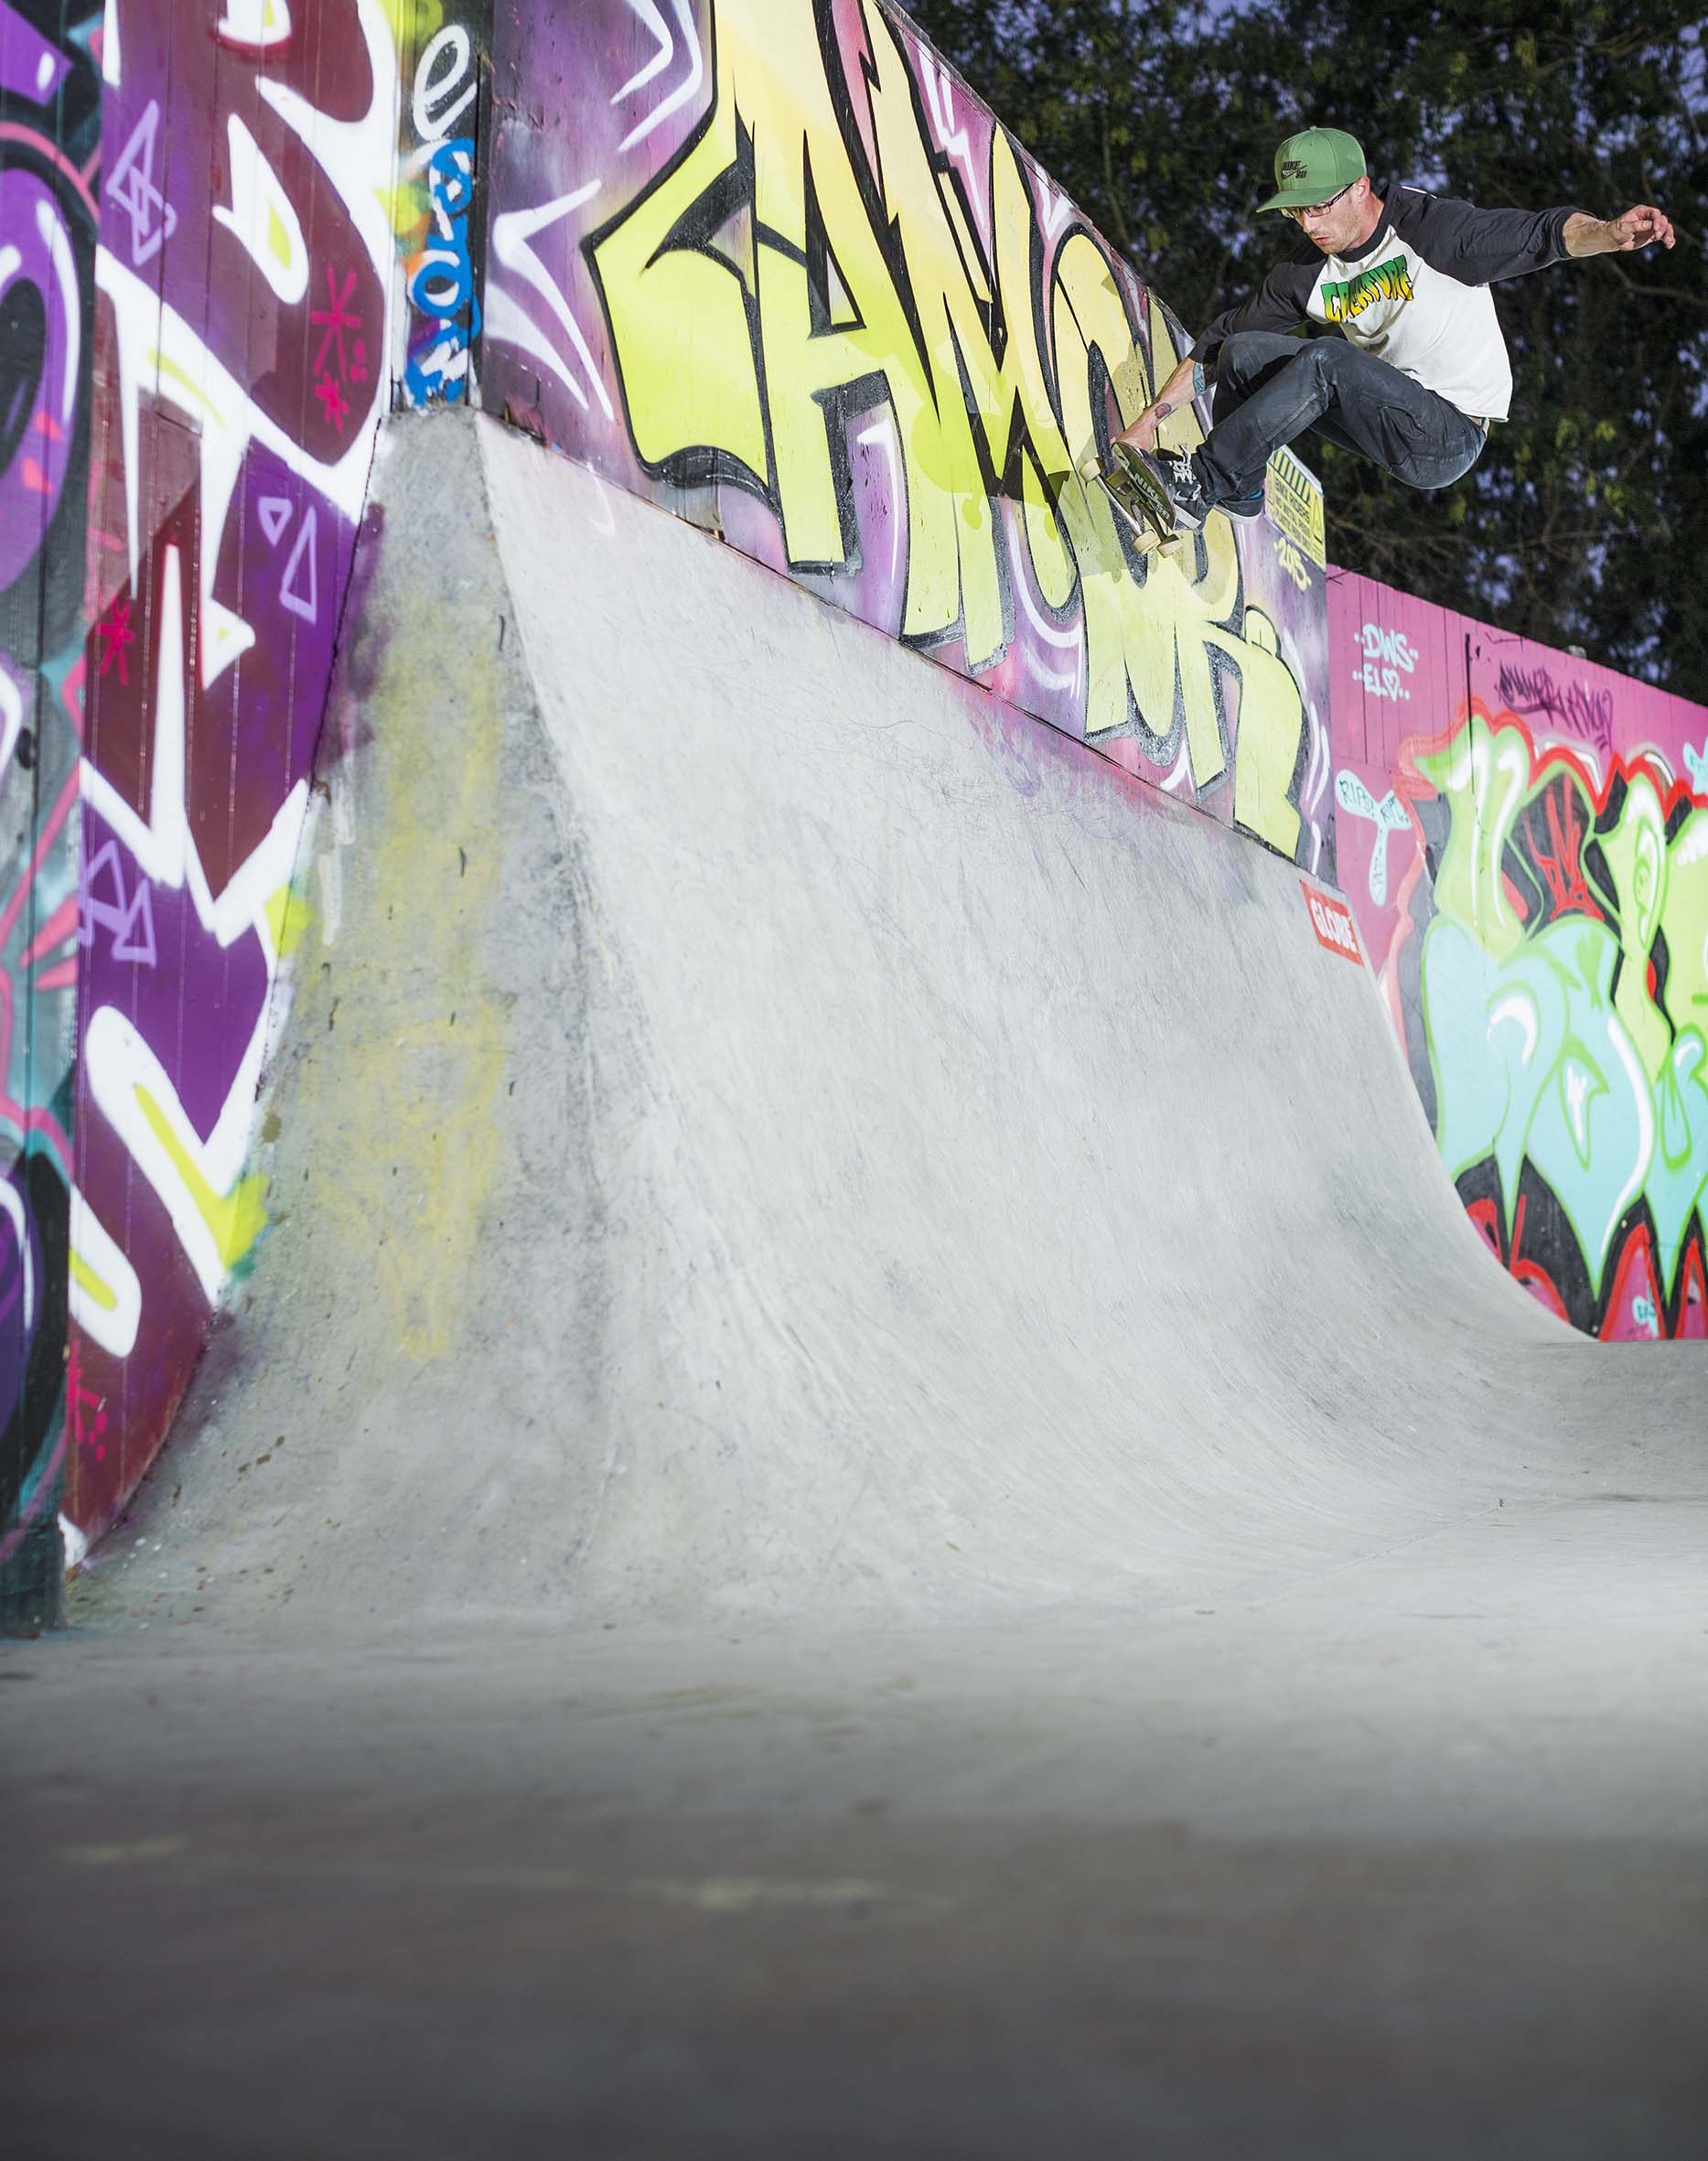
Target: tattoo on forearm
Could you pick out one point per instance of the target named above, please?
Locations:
(1164, 406)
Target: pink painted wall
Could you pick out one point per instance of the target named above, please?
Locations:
(1524, 839)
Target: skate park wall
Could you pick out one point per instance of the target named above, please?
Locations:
(776, 267)
(50, 137)
(771, 266)
(1524, 836)
(209, 228)
(873, 368)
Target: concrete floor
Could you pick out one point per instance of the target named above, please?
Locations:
(1409, 1863)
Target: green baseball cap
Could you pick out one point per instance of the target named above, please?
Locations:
(1314, 165)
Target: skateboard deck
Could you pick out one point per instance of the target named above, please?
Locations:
(1140, 505)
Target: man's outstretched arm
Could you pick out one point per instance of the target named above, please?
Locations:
(1639, 226)
(1480, 247)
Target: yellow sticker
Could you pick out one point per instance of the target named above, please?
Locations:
(1294, 500)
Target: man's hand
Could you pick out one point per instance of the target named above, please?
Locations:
(1186, 383)
(1639, 226)
(1142, 435)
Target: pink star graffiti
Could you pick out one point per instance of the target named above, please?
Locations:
(336, 318)
(333, 401)
(115, 632)
(86, 1430)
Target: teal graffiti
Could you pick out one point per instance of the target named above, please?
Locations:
(1564, 984)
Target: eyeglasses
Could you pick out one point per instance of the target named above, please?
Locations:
(1315, 209)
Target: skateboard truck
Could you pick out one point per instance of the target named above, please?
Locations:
(1139, 498)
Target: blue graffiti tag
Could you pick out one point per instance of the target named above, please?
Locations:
(442, 289)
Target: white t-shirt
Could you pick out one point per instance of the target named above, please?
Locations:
(1415, 294)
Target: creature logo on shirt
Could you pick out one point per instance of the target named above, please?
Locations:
(1388, 281)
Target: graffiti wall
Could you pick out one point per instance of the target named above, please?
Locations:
(774, 265)
(50, 138)
(440, 198)
(1524, 837)
(251, 222)
(771, 266)
(769, 263)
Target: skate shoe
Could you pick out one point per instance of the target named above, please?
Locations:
(1187, 492)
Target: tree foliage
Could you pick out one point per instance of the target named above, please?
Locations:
(1586, 520)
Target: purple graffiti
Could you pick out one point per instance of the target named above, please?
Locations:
(106, 904)
(1585, 712)
(31, 70)
(132, 188)
(41, 328)
(49, 139)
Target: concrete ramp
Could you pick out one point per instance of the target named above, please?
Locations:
(871, 1496)
(765, 1128)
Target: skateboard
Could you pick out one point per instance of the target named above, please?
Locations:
(1135, 488)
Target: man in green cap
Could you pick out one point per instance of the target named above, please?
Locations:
(1420, 369)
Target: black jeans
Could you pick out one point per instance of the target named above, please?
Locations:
(1269, 389)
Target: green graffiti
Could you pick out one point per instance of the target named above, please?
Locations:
(1565, 982)
(1388, 281)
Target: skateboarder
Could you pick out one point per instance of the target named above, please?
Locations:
(1420, 371)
